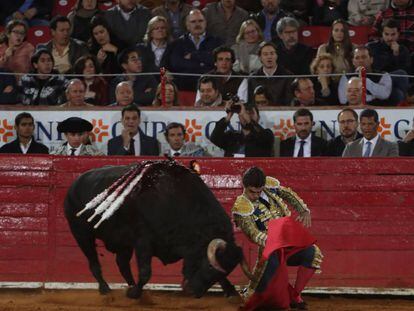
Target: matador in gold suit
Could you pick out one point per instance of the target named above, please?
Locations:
(264, 199)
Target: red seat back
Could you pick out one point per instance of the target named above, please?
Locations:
(63, 7)
(38, 35)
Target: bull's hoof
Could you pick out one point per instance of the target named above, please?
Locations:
(134, 292)
(104, 289)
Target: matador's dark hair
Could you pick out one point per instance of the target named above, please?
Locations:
(254, 177)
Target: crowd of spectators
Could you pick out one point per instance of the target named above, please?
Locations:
(224, 52)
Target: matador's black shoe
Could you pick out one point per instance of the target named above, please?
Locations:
(299, 305)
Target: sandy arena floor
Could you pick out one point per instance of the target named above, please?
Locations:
(88, 300)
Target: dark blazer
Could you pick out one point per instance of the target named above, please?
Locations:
(300, 53)
(318, 146)
(383, 148)
(336, 146)
(406, 149)
(148, 57)
(149, 146)
(14, 147)
(261, 21)
(201, 60)
(259, 143)
(278, 88)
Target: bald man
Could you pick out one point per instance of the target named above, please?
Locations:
(354, 92)
(124, 94)
(193, 52)
(75, 94)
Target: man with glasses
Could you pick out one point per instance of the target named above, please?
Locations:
(144, 86)
(193, 52)
(371, 144)
(348, 129)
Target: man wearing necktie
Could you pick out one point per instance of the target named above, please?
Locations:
(177, 146)
(76, 131)
(132, 140)
(371, 144)
(304, 143)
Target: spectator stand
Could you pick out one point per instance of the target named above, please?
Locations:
(314, 36)
(63, 7)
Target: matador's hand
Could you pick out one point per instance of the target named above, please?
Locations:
(305, 219)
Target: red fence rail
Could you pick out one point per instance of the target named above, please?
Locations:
(362, 209)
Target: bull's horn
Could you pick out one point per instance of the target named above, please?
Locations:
(211, 253)
(245, 268)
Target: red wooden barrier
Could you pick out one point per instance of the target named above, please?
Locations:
(363, 215)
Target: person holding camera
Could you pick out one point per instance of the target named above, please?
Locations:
(252, 140)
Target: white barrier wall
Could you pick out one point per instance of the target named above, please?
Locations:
(199, 123)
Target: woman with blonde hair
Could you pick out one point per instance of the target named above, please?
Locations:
(326, 88)
(339, 46)
(157, 44)
(171, 95)
(247, 45)
(15, 51)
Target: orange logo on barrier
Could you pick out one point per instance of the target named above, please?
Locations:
(100, 130)
(284, 129)
(6, 130)
(384, 128)
(192, 130)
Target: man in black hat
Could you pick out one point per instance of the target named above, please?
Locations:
(25, 142)
(76, 132)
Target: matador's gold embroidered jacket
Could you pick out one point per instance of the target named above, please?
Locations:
(253, 217)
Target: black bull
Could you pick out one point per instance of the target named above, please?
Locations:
(170, 214)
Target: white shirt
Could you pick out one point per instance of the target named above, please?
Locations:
(172, 151)
(365, 145)
(158, 52)
(126, 15)
(25, 148)
(197, 44)
(269, 74)
(306, 147)
(69, 150)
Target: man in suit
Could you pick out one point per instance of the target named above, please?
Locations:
(371, 144)
(304, 143)
(406, 146)
(24, 143)
(348, 128)
(193, 52)
(76, 132)
(132, 140)
(177, 147)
